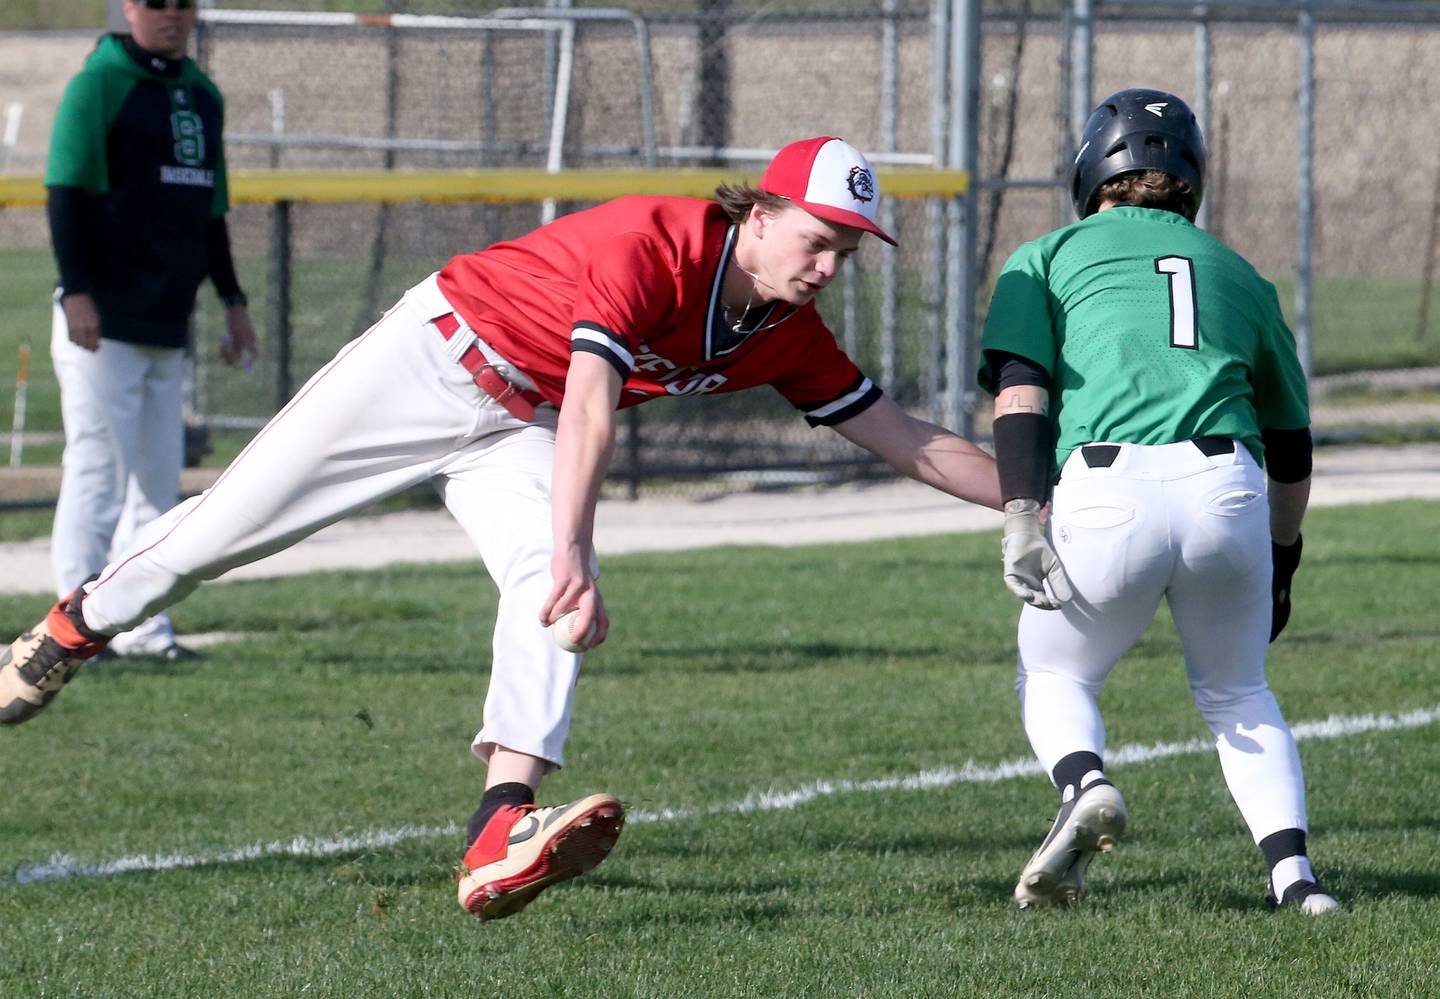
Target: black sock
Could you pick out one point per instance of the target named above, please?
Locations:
(513, 794)
(1280, 845)
(1073, 767)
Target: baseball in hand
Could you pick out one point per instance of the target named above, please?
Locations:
(563, 631)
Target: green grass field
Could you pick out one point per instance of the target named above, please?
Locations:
(346, 709)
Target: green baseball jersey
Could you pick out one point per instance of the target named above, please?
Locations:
(1152, 331)
(141, 136)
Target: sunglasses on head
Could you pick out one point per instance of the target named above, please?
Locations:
(162, 4)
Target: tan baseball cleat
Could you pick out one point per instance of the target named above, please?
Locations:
(1090, 823)
(42, 660)
(522, 851)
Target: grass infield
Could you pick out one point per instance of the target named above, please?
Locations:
(349, 706)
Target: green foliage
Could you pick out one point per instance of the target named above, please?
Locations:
(23, 14)
(347, 701)
(1365, 323)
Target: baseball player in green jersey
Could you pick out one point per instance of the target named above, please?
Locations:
(1142, 370)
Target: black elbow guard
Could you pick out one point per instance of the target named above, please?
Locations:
(1288, 454)
(1023, 449)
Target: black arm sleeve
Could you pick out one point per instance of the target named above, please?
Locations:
(1023, 451)
(1023, 441)
(1288, 454)
(1016, 370)
(222, 265)
(73, 215)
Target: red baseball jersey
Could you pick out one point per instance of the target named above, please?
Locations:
(637, 281)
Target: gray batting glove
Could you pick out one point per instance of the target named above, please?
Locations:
(1030, 562)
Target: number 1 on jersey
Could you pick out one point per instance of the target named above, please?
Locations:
(1183, 330)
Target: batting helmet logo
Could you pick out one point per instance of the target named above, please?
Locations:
(861, 183)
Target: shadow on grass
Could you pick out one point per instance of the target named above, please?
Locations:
(1366, 638)
(1382, 884)
(696, 887)
(756, 657)
(128, 667)
(697, 659)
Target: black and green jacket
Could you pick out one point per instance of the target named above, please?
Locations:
(137, 191)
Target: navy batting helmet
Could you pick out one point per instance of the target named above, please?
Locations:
(1133, 130)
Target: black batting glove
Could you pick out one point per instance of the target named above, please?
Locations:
(1286, 559)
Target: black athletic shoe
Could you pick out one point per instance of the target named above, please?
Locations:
(1309, 897)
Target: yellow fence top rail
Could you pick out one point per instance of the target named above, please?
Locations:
(270, 186)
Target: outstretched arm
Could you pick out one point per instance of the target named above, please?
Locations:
(584, 441)
(925, 452)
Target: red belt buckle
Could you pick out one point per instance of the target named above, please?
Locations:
(517, 401)
(504, 392)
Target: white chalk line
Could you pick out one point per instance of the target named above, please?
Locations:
(61, 867)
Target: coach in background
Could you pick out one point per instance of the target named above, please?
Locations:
(137, 203)
(1147, 367)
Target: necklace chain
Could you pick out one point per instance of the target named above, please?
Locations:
(736, 318)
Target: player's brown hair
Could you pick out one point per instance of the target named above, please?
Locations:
(738, 199)
(1150, 189)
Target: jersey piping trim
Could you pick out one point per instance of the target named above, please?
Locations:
(717, 285)
(594, 339)
(720, 337)
(861, 396)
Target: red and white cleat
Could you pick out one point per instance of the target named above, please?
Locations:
(522, 851)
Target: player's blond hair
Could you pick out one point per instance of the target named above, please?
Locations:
(1150, 189)
(739, 199)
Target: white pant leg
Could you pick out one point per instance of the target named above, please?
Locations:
(1220, 599)
(154, 483)
(123, 452)
(383, 415)
(499, 491)
(1112, 543)
(92, 479)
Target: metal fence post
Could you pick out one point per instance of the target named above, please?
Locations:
(1082, 68)
(1305, 218)
(889, 276)
(935, 207)
(963, 154)
(713, 72)
(278, 303)
(632, 450)
(1202, 89)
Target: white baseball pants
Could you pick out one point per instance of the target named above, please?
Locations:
(391, 410)
(124, 445)
(1165, 521)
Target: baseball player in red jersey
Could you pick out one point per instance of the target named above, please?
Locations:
(498, 380)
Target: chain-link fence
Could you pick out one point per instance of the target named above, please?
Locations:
(1318, 116)
(564, 89)
(1348, 235)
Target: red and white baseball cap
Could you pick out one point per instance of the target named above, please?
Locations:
(830, 179)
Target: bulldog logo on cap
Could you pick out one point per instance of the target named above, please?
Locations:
(861, 183)
(830, 179)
